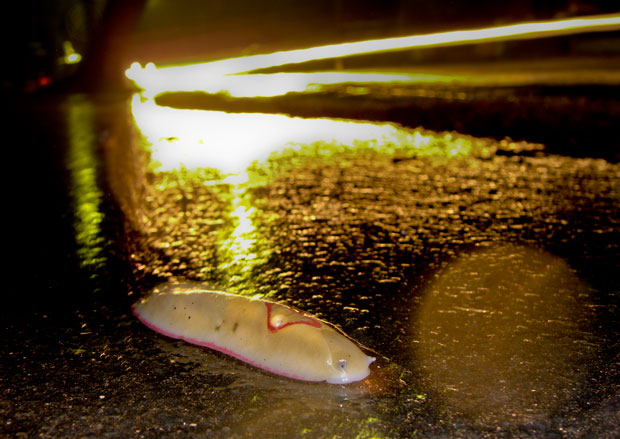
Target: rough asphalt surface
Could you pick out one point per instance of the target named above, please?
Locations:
(489, 281)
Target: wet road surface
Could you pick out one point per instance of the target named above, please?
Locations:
(483, 271)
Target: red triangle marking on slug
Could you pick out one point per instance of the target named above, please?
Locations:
(273, 329)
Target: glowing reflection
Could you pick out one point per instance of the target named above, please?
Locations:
(200, 168)
(83, 164)
(503, 333)
(231, 142)
(216, 76)
(239, 247)
(183, 141)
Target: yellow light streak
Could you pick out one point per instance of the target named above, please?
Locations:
(230, 142)
(196, 75)
(156, 81)
(83, 163)
(225, 76)
(530, 30)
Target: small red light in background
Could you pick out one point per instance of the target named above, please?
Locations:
(44, 80)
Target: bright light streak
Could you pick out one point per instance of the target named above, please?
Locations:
(152, 78)
(516, 31)
(156, 81)
(230, 142)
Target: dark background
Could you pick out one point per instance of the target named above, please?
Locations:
(114, 33)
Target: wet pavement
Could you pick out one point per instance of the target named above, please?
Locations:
(483, 272)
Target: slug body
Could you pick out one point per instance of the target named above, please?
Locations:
(274, 337)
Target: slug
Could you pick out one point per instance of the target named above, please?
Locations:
(274, 337)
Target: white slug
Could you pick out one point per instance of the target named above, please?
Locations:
(274, 337)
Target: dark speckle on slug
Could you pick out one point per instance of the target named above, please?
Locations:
(235, 327)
